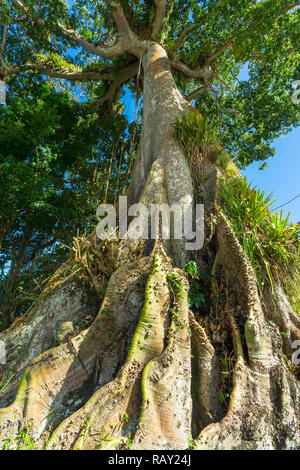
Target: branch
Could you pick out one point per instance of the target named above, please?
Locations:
(58, 73)
(219, 107)
(119, 17)
(109, 52)
(197, 92)
(106, 52)
(4, 37)
(230, 89)
(230, 40)
(286, 10)
(227, 44)
(126, 73)
(20, 5)
(160, 13)
(186, 32)
(203, 73)
(289, 51)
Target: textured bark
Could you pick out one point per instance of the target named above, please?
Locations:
(146, 373)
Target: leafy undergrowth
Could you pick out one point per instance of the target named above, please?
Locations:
(271, 241)
(21, 442)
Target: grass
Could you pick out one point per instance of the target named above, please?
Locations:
(227, 364)
(5, 377)
(22, 442)
(270, 240)
(227, 370)
(107, 437)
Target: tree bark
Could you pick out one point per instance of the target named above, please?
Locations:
(146, 374)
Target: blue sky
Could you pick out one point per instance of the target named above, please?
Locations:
(282, 176)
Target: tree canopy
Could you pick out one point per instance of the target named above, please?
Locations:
(100, 44)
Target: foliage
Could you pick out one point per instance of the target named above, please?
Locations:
(192, 442)
(270, 241)
(196, 135)
(223, 160)
(129, 441)
(21, 442)
(225, 397)
(175, 281)
(250, 100)
(57, 164)
(227, 364)
(6, 375)
(55, 60)
(251, 46)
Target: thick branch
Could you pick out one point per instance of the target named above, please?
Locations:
(161, 8)
(125, 74)
(119, 17)
(119, 48)
(184, 34)
(203, 73)
(57, 73)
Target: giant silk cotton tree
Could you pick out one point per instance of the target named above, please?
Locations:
(151, 360)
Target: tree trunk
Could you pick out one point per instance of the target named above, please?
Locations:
(146, 373)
